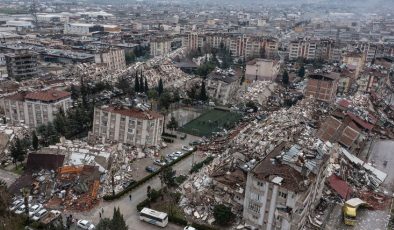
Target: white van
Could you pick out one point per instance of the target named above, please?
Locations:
(40, 214)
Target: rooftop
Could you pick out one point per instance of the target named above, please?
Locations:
(47, 95)
(131, 112)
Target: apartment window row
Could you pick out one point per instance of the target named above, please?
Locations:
(254, 207)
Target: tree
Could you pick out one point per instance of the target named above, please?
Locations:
(285, 78)
(142, 86)
(48, 133)
(136, 84)
(173, 124)
(301, 72)
(160, 87)
(118, 221)
(17, 150)
(168, 177)
(74, 93)
(165, 100)
(146, 87)
(34, 140)
(223, 214)
(60, 122)
(129, 57)
(203, 92)
(175, 96)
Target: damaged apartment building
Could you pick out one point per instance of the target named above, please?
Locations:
(285, 186)
(135, 126)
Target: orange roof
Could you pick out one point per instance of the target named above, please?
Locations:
(144, 115)
(16, 97)
(48, 95)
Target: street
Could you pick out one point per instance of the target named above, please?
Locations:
(128, 208)
(8, 177)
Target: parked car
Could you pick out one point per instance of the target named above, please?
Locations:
(168, 160)
(84, 224)
(34, 209)
(21, 209)
(189, 228)
(40, 214)
(16, 204)
(128, 183)
(186, 148)
(159, 162)
(151, 169)
(178, 154)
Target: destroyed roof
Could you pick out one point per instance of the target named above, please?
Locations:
(267, 170)
(230, 178)
(345, 132)
(340, 186)
(47, 95)
(359, 121)
(38, 161)
(324, 77)
(144, 115)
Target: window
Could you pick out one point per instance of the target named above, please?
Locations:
(283, 194)
(254, 207)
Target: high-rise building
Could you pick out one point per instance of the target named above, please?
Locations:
(22, 64)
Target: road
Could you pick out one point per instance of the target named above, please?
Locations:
(8, 177)
(128, 208)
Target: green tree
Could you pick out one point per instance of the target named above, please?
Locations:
(142, 86)
(301, 72)
(104, 224)
(203, 92)
(146, 87)
(175, 96)
(48, 133)
(75, 93)
(34, 140)
(192, 93)
(60, 122)
(152, 94)
(136, 84)
(129, 57)
(165, 100)
(168, 177)
(118, 221)
(223, 215)
(17, 150)
(285, 78)
(160, 87)
(173, 124)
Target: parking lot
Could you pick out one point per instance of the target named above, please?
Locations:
(139, 166)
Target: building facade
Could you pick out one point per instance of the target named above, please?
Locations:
(221, 85)
(280, 194)
(322, 87)
(35, 108)
(22, 64)
(160, 47)
(262, 70)
(125, 125)
(113, 59)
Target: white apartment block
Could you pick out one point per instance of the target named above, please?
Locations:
(241, 46)
(262, 70)
(128, 125)
(303, 49)
(35, 108)
(160, 47)
(113, 59)
(281, 193)
(77, 28)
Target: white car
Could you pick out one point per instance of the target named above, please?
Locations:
(21, 209)
(189, 228)
(84, 224)
(16, 204)
(186, 148)
(178, 154)
(34, 209)
(40, 214)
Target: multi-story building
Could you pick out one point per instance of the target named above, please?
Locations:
(160, 46)
(222, 84)
(240, 45)
(22, 64)
(303, 49)
(262, 70)
(128, 125)
(35, 108)
(284, 188)
(113, 59)
(322, 87)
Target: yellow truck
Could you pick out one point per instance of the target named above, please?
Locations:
(350, 210)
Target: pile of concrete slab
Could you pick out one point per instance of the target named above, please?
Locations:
(258, 91)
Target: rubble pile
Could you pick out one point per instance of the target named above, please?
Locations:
(258, 91)
(170, 75)
(293, 125)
